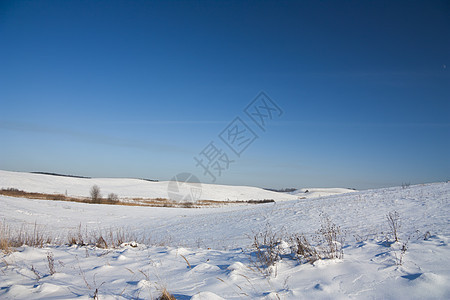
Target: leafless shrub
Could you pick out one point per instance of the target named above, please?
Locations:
(36, 273)
(328, 243)
(405, 185)
(398, 249)
(393, 219)
(112, 198)
(267, 247)
(332, 239)
(96, 196)
(51, 263)
(266, 251)
(399, 255)
(304, 251)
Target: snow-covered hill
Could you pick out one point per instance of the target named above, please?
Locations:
(206, 252)
(138, 188)
(128, 188)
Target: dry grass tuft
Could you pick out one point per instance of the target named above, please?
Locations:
(33, 237)
(304, 251)
(105, 239)
(266, 251)
(5, 238)
(165, 295)
(187, 262)
(270, 247)
(332, 239)
(36, 236)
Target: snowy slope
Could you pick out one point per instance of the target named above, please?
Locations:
(128, 188)
(215, 242)
(308, 193)
(423, 207)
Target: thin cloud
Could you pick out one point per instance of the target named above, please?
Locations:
(359, 124)
(91, 138)
(170, 122)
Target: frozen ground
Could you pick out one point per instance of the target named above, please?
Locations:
(205, 253)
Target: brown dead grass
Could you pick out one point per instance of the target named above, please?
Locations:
(34, 236)
(60, 197)
(165, 295)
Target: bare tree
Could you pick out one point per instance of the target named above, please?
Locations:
(95, 194)
(113, 197)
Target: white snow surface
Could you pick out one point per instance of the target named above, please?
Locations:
(308, 193)
(205, 253)
(128, 187)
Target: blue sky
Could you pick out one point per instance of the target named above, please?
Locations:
(138, 88)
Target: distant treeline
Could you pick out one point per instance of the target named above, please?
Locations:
(85, 177)
(152, 180)
(285, 190)
(62, 175)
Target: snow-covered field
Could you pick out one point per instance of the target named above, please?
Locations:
(206, 253)
(307, 193)
(128, 188)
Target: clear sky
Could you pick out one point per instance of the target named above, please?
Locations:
(140, 88)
